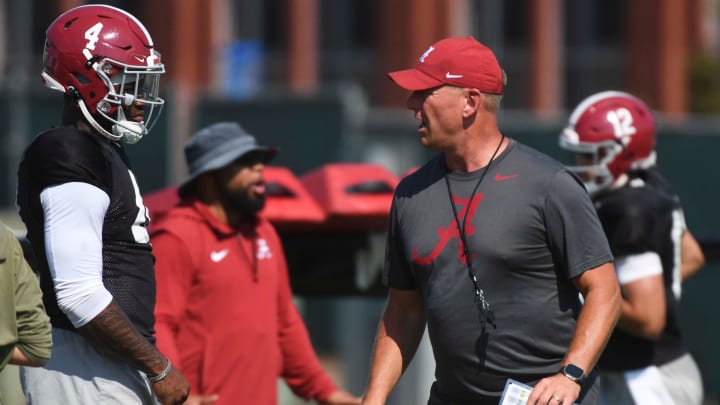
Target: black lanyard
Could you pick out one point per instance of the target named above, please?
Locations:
(486, 314)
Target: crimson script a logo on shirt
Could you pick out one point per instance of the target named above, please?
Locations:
(451, 231)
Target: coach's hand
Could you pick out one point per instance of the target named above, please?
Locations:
(554, 390)
(173, 389)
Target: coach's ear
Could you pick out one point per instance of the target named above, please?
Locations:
(473, 101)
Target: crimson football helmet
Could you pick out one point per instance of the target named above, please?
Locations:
(610, 132)
(104, 58)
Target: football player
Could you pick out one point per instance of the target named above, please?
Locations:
(612, 136)
(86, 220)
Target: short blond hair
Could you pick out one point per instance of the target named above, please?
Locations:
(491, 102)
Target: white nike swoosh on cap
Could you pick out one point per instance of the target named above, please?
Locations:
(219, 255)
(451, 76)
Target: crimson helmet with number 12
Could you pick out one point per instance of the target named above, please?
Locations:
(104, 58)
(616, 133)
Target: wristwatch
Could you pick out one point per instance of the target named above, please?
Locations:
(574, 373)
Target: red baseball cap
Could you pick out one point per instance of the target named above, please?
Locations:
(461, 62)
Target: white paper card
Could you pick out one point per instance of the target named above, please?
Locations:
(515, 393)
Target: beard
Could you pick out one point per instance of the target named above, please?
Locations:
(241, 201)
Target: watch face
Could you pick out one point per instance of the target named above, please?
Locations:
(574, 371)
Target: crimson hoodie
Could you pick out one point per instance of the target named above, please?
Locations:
(224, 312)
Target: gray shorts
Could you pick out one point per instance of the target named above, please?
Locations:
(676, 383)
(77, 373)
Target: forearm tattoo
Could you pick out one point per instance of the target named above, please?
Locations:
(112, 331)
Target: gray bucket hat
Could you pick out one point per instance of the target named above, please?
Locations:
(216, 146)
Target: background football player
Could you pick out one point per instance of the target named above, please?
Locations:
(612, 136)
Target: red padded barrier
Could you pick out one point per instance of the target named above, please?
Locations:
(355, 196)
(289, 204)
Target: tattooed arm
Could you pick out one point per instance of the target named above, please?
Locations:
(112, 331)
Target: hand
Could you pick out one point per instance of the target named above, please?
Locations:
(341, 397)
(173, 389)
(201, 399)
(554, 390)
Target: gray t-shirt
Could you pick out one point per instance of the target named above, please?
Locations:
(531, 228)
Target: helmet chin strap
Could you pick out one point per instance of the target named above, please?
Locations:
(127, 135)
(122, 130)
(93, 123)
(128, 131)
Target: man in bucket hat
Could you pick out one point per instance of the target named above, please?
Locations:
(224, 311)
(489, 244)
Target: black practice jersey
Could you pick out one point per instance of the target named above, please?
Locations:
(66, 154)
(659, 182)
(653, 178)
(638, 219)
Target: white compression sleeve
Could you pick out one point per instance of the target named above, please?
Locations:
(634, 267)
(74, 215)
